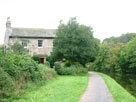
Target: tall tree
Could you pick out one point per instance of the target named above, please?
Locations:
(74, 42)
(128, 57)
(108, 58)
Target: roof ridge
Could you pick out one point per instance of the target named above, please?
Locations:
(32, 28)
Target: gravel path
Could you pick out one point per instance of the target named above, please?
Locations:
(97, 90)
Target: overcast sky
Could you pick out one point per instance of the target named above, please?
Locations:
(106, 17)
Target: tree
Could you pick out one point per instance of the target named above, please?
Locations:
(18, 48)
(74, 42)
(128, 57)
(108, 58)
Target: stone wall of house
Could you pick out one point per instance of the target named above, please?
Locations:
(33, 48)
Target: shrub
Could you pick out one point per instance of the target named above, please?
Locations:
(36, 58)
(1, 57)
(51, 60)
(16, 71)
(72, 70)
(18, 66)
(67, 63)
(58, 67)
(76, 63)
(81, 70)
(47, 64)
(68, 71)
(46, 73)
(89, 66)
(6, 83)
(29, 68)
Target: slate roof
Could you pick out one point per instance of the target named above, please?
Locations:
(33, 32)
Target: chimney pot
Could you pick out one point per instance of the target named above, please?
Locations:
(8, 23)
(8, 19)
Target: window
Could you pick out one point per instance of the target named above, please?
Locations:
(40, 43)
(24, 43)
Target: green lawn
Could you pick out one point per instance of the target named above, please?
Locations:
(118, 92)
(61, 89)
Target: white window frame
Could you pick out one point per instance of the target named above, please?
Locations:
(38, 44)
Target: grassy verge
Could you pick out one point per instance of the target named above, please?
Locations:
(61, 89)
(118, 93)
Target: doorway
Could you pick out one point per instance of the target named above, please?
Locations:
(42, 60)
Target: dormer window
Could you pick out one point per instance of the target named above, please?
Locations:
(40, 43)
(24, 43)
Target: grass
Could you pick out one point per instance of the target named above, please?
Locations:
(119, 94)
(61, 89)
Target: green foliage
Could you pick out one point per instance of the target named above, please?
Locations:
(121, 39)
(36, 58)
(1, 57)
(74, 42)
(58, 67)
(90, 66)
(51, 59)
(20, 65)
(81, 70)
(108, 58)
(2, 48)
(128, 57)
(114, 58)
(75, 69)
(46, 73)
(18, 70)
(17, 48)
(67, 63)
(47, 64)
(6, 83)
(68, 71)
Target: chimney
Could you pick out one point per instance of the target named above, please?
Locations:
(8, 23)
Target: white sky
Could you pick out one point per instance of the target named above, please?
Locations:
(106, 17)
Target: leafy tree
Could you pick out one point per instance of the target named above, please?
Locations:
(74, 42)
(17, 48)
(128, 57)
(108, 58)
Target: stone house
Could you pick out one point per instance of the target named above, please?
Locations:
(38, 41)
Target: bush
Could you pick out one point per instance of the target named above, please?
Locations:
(68, 71)
(72, 70)
(36, 58)
(67, 63)
(16, 71)
(89, 66)
(51, 60)
(81, 70)
(6, 83)
(46, 73)
(18, 66)
(47, 64)
(58, 67)
(1, 57)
